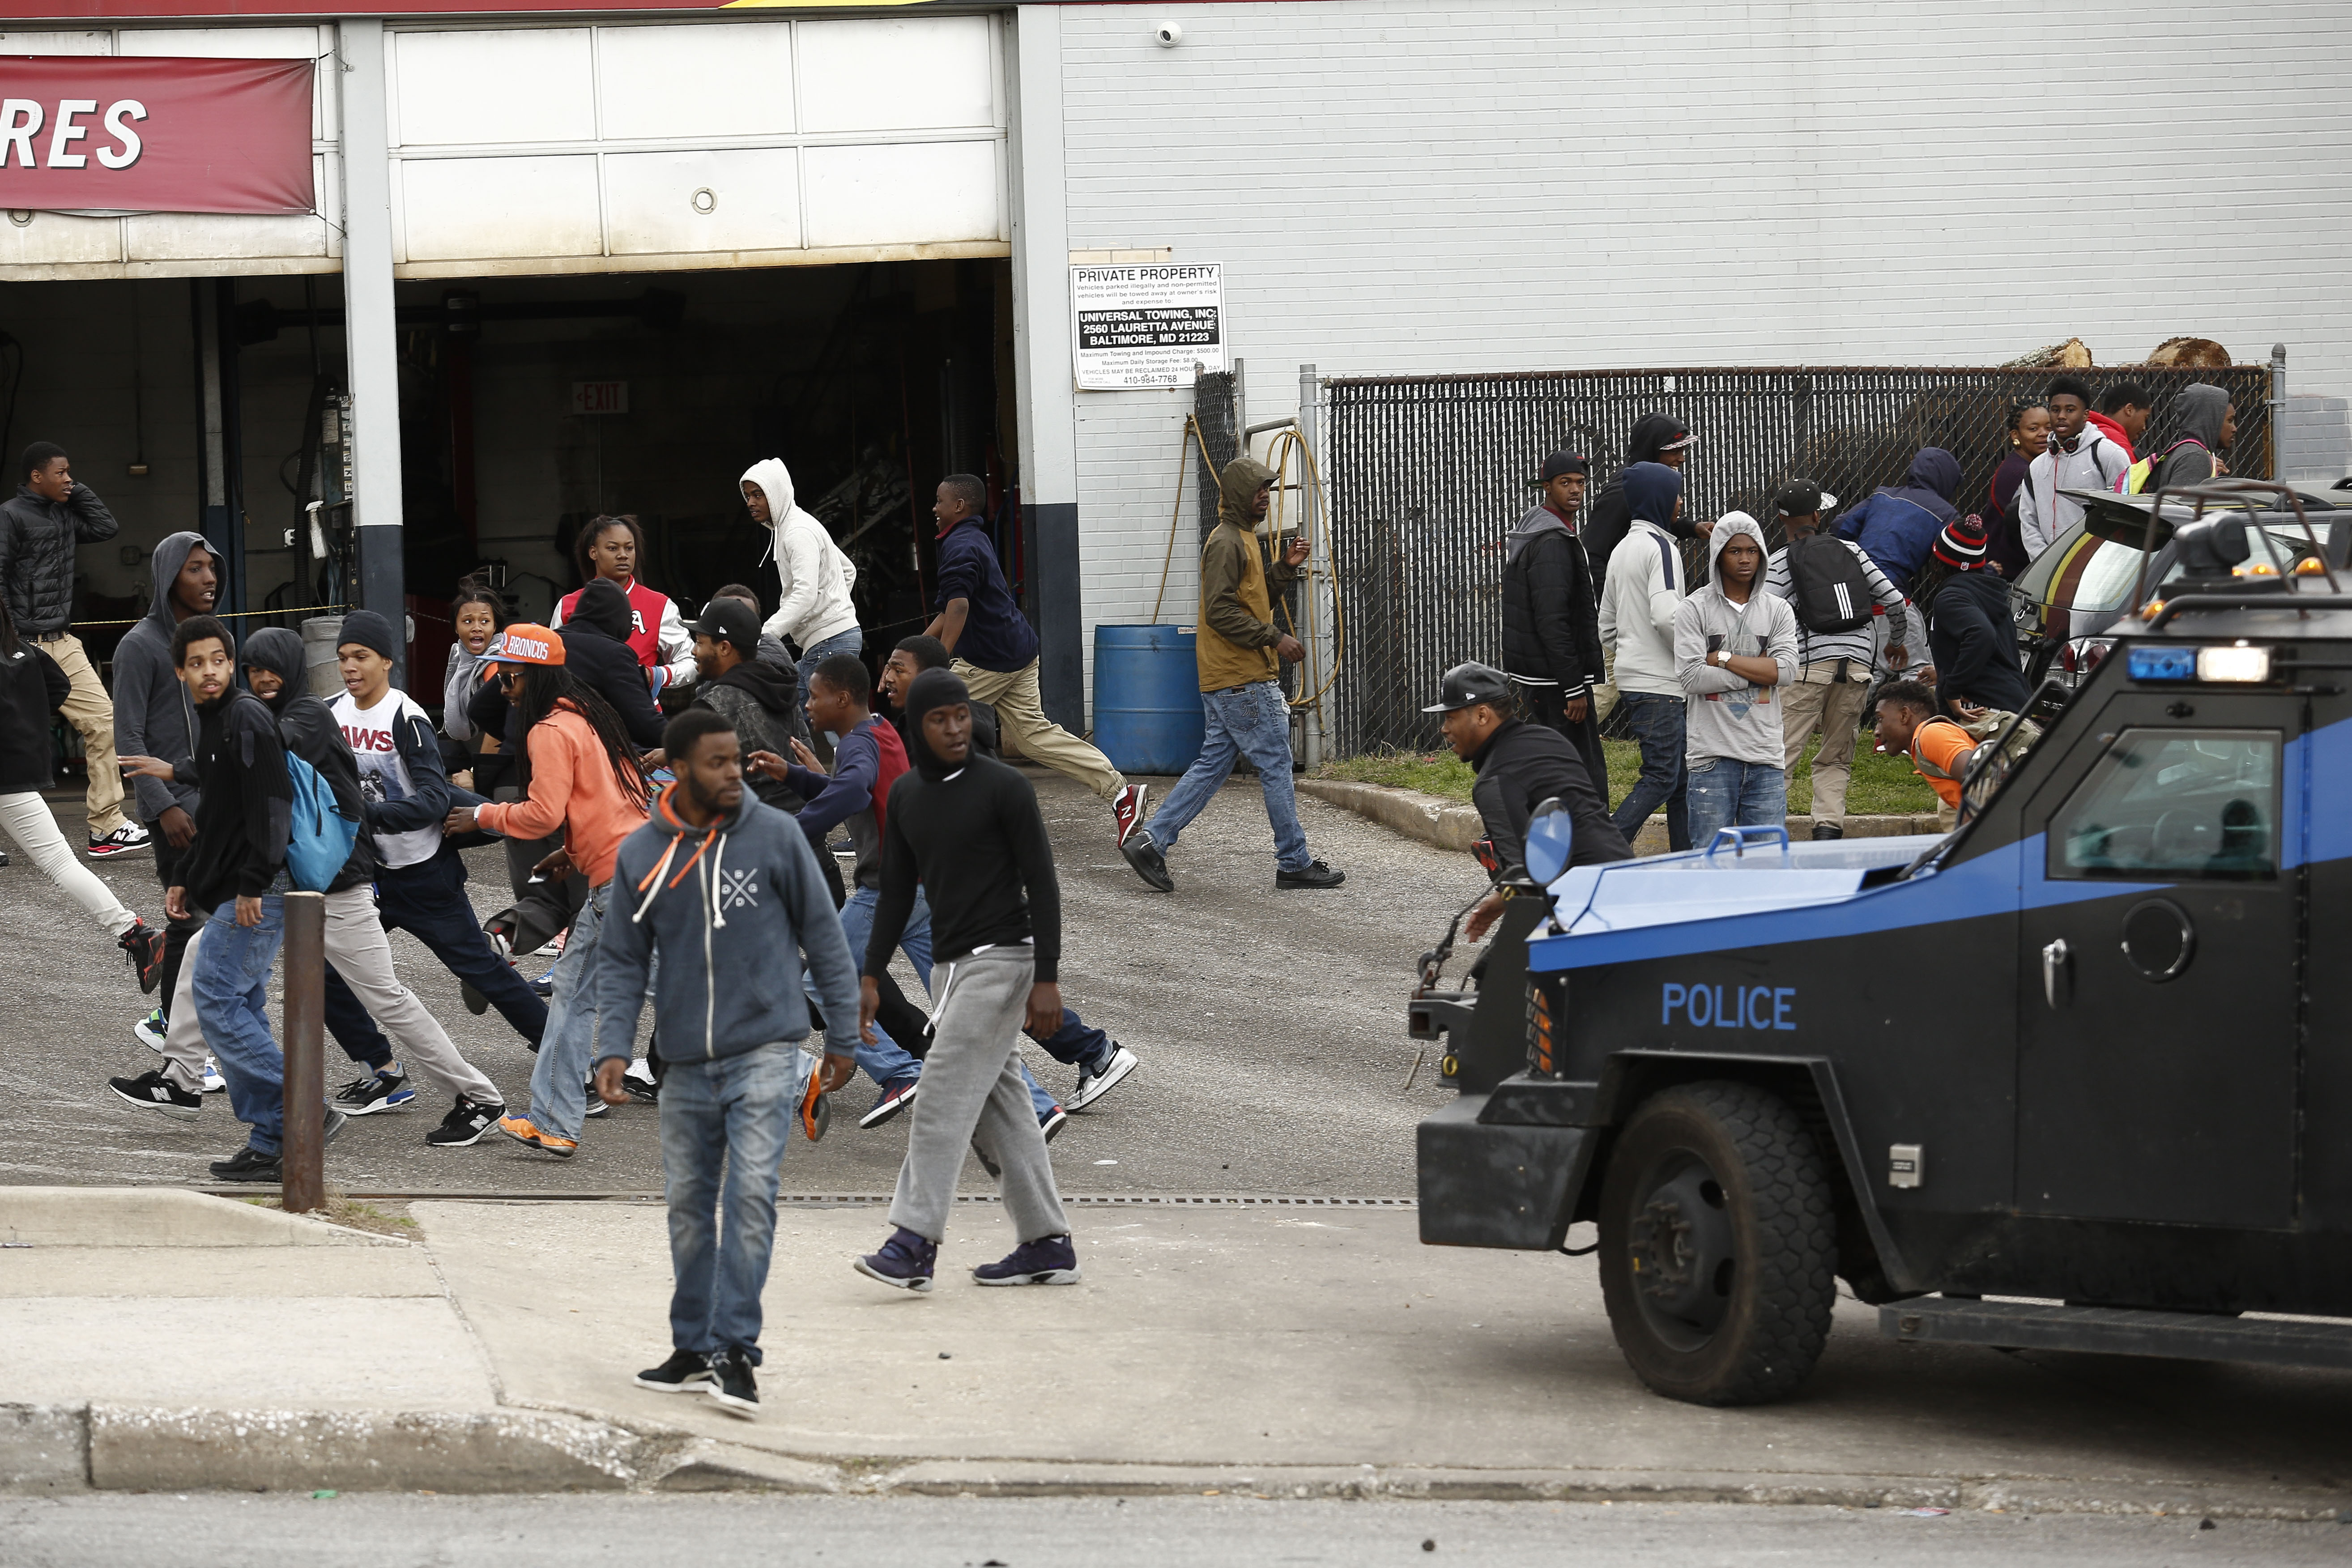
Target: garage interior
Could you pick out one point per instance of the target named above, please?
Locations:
(527, 405)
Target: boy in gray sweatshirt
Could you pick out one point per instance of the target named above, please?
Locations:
(1734, 645)
(728, 891)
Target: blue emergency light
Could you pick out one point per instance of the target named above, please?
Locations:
(2162, 664)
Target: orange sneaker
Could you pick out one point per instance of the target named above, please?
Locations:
(520, 1129)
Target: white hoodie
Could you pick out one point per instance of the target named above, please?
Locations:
(816, 575)
(1638, 600)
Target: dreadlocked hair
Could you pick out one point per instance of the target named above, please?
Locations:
(546, 685)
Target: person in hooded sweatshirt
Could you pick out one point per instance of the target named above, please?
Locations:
(816, 612)
(153, 718)
(969, 830)
(1239, 651)
(608, 550)
(237, 876)
(2079, 457)
(1657, 438)
(2203, 425)
(1551, 631)
(726, 893)
(1896, 524)
(1969, 634)
(1735, 642)
(1638, 603)
(760, 701)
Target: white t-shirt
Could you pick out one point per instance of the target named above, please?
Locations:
(383, 776)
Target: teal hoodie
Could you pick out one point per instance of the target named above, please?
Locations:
(740, 900)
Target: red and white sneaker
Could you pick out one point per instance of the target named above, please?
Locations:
(121, 841)
(1127, 810)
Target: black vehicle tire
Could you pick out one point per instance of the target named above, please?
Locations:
(1718, 1244)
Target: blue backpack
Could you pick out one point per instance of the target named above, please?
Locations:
(323, 838)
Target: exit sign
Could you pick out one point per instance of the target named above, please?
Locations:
(600, 397)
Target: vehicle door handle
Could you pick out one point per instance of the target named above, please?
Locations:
(2054, 975)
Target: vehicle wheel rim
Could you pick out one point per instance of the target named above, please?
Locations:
(1684, 1260)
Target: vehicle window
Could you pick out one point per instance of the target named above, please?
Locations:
(2174, 802)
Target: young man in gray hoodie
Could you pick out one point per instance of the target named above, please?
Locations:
(153, 718)
(726, 889)
(1735, 643)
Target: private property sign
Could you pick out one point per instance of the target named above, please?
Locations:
(1146, 325)
(104, 134)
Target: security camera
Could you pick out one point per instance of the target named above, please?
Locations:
(1168, 34)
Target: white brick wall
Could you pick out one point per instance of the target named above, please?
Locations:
(1520, 185)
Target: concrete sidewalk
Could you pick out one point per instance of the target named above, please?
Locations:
(1275, 1350)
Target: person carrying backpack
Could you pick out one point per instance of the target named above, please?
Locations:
(1896, 525)
(2206, 424)
(1840, 596)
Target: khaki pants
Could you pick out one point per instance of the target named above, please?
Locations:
(1022, 719)
(91, 711)
(1817, 699)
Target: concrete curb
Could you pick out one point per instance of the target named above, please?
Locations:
(51, 1450)
(1451, 825)
(161, 1216)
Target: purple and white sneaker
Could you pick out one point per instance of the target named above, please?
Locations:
(1048, 1261)
(904, 1263)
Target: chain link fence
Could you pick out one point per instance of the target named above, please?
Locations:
(1427, 473)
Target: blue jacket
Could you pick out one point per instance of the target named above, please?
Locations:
(731, 907)
(1896, 527)
(996, 635)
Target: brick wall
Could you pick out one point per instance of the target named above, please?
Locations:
(1515, 185)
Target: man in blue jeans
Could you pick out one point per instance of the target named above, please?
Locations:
(238, 872)
(1644, 588)
(1239, 649)
(1735, 649)
(732, 900)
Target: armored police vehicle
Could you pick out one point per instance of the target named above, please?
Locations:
(2077, 1075)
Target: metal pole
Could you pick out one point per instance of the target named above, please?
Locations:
(302, 1185)
(1310, 491)
(2278, 412)
(371, 332)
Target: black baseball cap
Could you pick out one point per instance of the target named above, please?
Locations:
(1468, 685)
(1560, 462)
(1802, 498)
(730, 621)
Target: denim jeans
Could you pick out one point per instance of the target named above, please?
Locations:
(559, 1081)
(231, 988)
(851, 641)
(1251, 721)
(731, 1115)
(1657, 722)
(1728, 794)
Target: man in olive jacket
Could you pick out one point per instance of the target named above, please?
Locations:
(1239, 649)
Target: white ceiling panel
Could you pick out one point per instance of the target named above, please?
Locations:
(732, 79)
(918, 74)
(905, 194)
(524, 84)
(656, 201)
(459, 209)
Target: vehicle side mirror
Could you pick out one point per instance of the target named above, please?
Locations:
(1551, 840)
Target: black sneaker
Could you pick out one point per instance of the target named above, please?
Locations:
(1050, 1123)
(476, 1002)
(733, 1385)
(895, 1097)
(1048, 1261)
(1824, 831)
(1149, 864)
(466, 1124)
(685, 1372)
(150, 1090)
(376, 1091)
(249, 1164)
(143, 944)
(1314, 874)
(639, 1078)
(904, 1262)
(595, 1106)
(121, 841)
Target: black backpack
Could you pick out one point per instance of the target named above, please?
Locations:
(1831, 593)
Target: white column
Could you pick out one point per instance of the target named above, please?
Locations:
(1042, 380)
(371, 340)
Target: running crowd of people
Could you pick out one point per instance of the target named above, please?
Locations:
(1726, 672)
(664, 792)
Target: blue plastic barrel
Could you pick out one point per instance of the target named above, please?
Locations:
(1147, 717)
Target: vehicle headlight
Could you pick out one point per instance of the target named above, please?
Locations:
(2240, 663)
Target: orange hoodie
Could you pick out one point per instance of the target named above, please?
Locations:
(571, 787)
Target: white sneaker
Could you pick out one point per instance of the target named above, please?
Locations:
(213, 1082)
(121, 841)
(148, 1031)
(1093, 1086)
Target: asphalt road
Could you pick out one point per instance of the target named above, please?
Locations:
(1269, 1025)
(365, 1531)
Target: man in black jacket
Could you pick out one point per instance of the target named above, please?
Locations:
(761, 700)
(1519, 766)
(1656, 438)
(237, 873)
(1551, 623)
(40, 528)
(1969, 634)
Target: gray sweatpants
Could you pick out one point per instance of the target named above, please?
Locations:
(972, 1093)
(361, 954)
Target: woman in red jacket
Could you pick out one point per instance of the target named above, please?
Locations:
(611, 547)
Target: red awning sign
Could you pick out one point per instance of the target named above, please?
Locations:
(118, 134)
